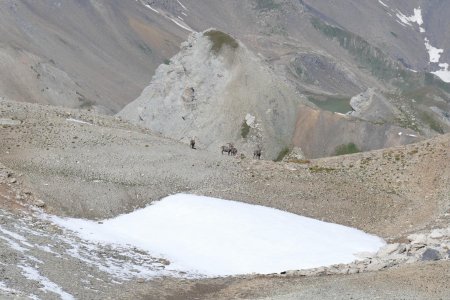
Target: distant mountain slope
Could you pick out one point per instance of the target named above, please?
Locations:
(81, 53)
(102, 54)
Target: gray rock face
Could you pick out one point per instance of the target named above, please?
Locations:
(431, 254)
(388, 249)
(209, 90)
(373, 106)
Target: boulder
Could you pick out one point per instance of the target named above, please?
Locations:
(388, 249)
(376, 265)
(431, 255)
(39, 203)
(418, 238)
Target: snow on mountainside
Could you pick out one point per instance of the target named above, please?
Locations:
(433, 52)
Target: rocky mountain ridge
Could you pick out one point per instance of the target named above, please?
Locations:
(216, 91)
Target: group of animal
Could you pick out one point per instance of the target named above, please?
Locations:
(232, 150)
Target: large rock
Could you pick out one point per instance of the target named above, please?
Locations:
(373, 106)
(388, 249)
(431, 254)
(218, 91)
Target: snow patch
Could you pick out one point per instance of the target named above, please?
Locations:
(148, 6)
(184, 26)
(5, 289)
(382, 3)
(184, 7)
(415, 18)
(13, 245)
(444, 72)
(214, 237)
(48, 286)
(433, 52)
(78, 121)
(250, 120)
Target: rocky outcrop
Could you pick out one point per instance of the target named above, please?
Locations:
(318, 133)
(218, 91)
(373, 106)
(430, 246)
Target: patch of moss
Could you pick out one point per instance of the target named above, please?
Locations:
(318, 169)
(368, 56)
(146, 49)
(220, 39)
(434, 124)
(340, 104)
(266, 5)
(299, 161)
(346, 149)
(283, 152)
(166, 61)
(245, 129)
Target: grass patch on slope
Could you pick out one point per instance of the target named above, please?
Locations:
(349, 148)
(368, 56)
(283, 152)
(220, 39)
(266, 5)
(340, 104)
(434, 124)
(245, 129)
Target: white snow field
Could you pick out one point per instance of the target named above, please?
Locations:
(213, 237)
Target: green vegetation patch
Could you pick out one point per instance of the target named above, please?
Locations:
(299, 161)
(245, 129)
(368, 56)
(340, 104)
(146, 49)
(377, 62)
(318, 169)
(434, 124)
(283, 152)
(267, 5)
(346, 149)
(220, 39)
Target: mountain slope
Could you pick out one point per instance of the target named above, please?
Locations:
(81, 53)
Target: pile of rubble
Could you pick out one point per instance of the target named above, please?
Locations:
(430, 246)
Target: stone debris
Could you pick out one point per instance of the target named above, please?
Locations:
(39, 203)
(431, 246)
(9, 122)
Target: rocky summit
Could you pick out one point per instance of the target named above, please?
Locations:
(337, 111)
(217, 91)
